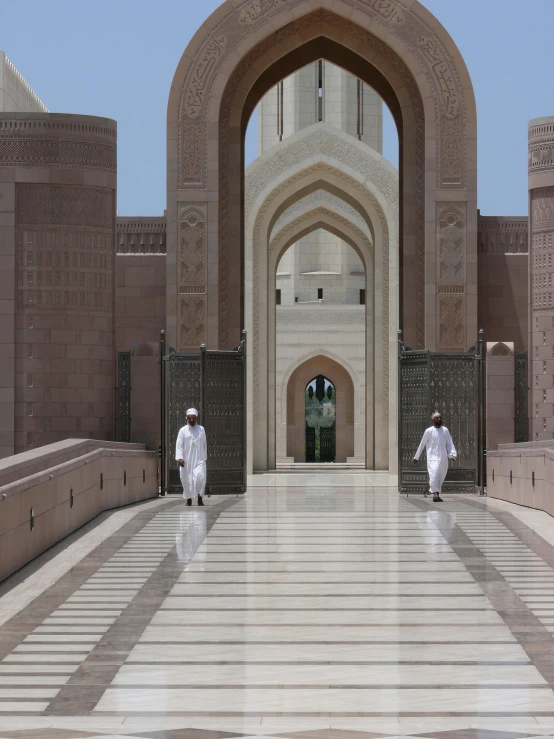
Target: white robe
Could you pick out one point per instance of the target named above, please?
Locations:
(439, 447)
(192, 448)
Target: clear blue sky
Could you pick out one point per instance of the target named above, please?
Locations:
(116, 58)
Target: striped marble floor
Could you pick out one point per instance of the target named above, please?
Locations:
(309, 613)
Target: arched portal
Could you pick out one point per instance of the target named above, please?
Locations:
(404, 54)
(316, 159)
(338, 376)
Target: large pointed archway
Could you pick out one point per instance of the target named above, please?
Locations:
(242, 50)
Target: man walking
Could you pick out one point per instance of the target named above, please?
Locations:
(191, 452)
(440, 448)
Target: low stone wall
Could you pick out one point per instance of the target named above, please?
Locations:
(48, 493)
(523, 474)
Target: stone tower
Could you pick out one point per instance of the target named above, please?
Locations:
(541, 269)
(320, 264)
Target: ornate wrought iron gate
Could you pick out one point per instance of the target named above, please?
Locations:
(123, 397)
(452, 384)
(327, 437)
(310, 443)
(522, 394)
(213, 382)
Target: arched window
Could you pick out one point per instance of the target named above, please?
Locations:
(321, 434)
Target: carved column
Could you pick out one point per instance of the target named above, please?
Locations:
(541, 270)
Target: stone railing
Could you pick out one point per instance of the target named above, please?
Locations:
(523, 474)
(49, 492)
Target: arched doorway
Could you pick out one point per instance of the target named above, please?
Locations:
(347, 423)
(321, 425)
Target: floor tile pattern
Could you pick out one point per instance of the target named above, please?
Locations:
(299, 613)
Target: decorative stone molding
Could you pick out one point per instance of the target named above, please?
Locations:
(503, 235)
(141, 235)
(57, 141)
(282, 237)
(406, 24)
(307, 319)
(452, 244)
(541, 147)
(65, 205)
(321, 198)
(320, 141)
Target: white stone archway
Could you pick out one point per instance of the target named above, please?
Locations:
(315, 158)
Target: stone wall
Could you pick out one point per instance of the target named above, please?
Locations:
(57, 232)
(523, 474)
(503, 279)
(70, 483)
(541, 272)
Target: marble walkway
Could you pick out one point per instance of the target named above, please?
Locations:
(303, 613)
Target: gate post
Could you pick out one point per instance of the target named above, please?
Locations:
(163, 490)
(481, 401)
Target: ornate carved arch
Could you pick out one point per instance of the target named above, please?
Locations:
(405, 54)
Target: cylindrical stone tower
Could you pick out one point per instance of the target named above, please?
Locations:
(57, 249)
(541, 270)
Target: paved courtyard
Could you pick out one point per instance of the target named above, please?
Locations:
(309, 613)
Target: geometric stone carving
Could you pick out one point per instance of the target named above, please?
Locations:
(451, 322)
(192, 251)
(65, 205)
(192, 311)
(192, 278)
(64, 248)
(451, 245)
(451, 276)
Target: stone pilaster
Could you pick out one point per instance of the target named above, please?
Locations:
(541, 270)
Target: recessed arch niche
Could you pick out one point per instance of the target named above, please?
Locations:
(340, 377)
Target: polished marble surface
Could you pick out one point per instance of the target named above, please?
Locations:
(320, 611)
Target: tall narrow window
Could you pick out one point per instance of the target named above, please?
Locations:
(362, 297)
(320, 293)
(280, 115)
(277, 297)
(360, 115)
(320, 90)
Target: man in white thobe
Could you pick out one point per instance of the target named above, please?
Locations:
(191, 451)
(439, 446)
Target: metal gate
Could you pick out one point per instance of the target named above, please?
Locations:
(521, 397)
(452, 383)
(310, 443)
(327, 437)
(123, 397)
(213, 382)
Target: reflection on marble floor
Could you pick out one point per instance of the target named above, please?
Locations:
(309, 613)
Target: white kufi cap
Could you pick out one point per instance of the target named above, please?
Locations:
(192, 412)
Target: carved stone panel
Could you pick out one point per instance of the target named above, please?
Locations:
(192, 321)
(451, 276)
(192, 278)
